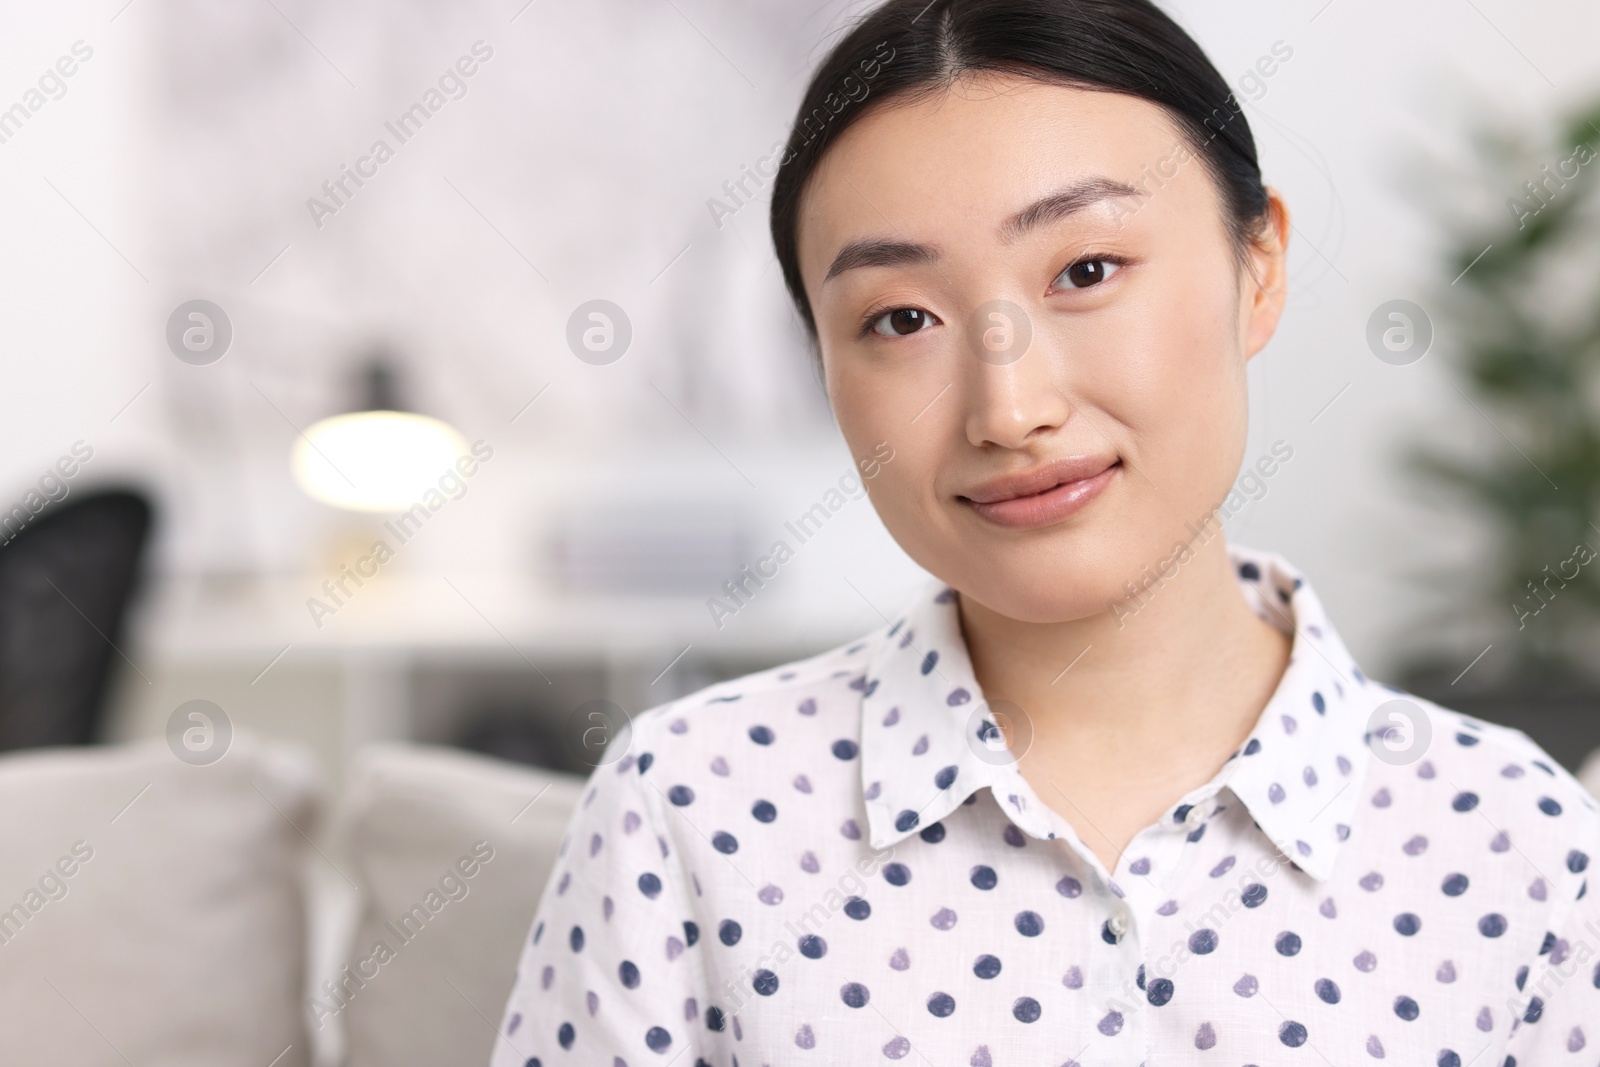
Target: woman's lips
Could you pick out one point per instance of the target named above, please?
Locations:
(1049, 506)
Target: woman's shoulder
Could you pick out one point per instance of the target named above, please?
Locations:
(819, 694)
(1498, 780)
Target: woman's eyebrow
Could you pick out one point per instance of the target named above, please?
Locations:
(882, 252)
(1064, 202)
(879, 252)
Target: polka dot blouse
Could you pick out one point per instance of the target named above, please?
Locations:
(838, 862)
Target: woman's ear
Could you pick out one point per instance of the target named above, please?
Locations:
(1263, 299)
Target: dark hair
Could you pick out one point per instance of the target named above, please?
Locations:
(910, 48)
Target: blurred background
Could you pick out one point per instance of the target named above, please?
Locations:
(532, 233)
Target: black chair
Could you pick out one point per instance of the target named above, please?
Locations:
(66, 577)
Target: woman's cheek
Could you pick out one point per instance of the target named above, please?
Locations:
(876, 414)
(904, 496)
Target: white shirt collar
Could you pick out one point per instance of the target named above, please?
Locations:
(924, 725)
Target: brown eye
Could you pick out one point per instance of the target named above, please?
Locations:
(901, 321)
(1089, 272)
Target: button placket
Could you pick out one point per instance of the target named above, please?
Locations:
(1117, 995)
(1123, 908)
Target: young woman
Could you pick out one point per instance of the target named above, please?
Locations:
(1112, 791)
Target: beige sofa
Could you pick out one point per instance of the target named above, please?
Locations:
(154, 912)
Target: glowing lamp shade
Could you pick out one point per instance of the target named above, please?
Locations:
(374, 460)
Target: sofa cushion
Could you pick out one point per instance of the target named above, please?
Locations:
(152, 911)
(451, 851)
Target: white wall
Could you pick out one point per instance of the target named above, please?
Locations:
(75, 260)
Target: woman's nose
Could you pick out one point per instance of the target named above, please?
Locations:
(1011, 376)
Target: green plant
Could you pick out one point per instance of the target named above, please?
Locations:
(1519, 322)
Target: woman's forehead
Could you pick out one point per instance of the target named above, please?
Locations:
(972, 156)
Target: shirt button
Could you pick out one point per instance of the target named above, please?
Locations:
(1193, 817)
(1115, 927)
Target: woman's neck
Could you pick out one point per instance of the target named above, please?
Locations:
(1128, 712)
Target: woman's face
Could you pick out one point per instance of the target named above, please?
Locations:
(994, 306)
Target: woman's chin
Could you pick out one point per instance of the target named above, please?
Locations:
(1024, 597)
